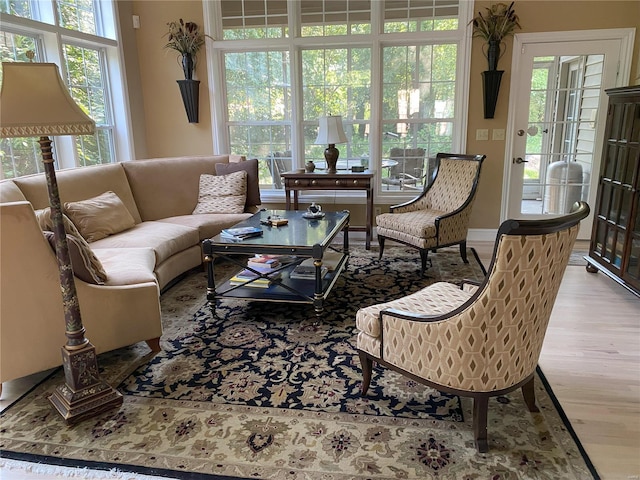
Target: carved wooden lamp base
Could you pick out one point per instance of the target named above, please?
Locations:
(83, 395)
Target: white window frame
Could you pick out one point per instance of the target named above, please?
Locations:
(213, 27)
(50, 37)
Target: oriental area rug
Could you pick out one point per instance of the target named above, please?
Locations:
(267, 391)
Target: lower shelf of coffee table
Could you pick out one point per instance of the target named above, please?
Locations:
(284, 289)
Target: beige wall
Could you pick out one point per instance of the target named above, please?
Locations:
(168, 133)
(535, 16)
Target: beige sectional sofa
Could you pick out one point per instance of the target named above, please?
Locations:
(164, 242)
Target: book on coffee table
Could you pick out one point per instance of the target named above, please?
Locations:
(306, 272)
(241, 233)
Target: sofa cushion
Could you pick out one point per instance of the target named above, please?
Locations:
(165, 239)
(128, 266)
(177, 178)
(253, 183)
(81, 259)
(208, 224)
(44, 219)
(222, 193)
(100, 216)
(80, 183)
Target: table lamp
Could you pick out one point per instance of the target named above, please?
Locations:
(331, 132)
(36, 102)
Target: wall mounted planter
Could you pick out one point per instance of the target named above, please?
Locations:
(490, 88)
(190, 90)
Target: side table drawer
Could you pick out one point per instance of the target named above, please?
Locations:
(295, 183)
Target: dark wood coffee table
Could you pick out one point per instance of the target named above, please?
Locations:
(301, 238)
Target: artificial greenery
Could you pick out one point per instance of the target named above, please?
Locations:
(499, 21)
(184, 37)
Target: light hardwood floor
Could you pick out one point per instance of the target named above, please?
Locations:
(591, 357)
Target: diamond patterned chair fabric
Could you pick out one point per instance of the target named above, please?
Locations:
(440, 215)
(481, 340)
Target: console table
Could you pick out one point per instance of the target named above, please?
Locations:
(342, 180)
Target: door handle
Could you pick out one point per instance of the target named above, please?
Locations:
(519, 160)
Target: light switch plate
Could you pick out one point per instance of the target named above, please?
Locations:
(497, 134)
(482, 134)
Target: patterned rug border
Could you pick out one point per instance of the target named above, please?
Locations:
(183, 475)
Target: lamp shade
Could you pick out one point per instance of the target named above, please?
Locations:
(331, 131)
(36, 102)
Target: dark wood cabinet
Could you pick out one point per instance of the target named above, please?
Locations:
(615, 239)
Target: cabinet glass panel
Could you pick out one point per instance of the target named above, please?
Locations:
(614, 211)
(619, 249)
(633, 267)
(629, 112)
(635, 130)
(632, 165)
(625, 210)
(611, 237)
(610, 162)
(605, 200)
(600, 238)
(621, 164)
(614, 120)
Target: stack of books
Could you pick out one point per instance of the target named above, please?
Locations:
(306, 272)
(241, 233)
(243, 278)
(264, 261)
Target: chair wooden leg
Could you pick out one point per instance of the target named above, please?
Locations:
(154, 344)
(529, 394)
(463, 251)
(381, 243)
(367, 370)
(480, 412)
(424, 255)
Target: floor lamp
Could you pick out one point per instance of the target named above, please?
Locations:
(35, 102)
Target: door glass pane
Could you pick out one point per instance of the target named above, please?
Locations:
(565, 93)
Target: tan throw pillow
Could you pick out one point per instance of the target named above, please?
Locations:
(81, 263)
(222, 193)
(100, 216)
(94, 265)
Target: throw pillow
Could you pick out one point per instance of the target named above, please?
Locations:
(222, 193)
(81, 259)
(253, 183)
(100, 216)
(44, 219)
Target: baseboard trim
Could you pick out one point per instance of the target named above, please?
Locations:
(482, 235)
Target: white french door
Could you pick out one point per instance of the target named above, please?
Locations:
(556, 120)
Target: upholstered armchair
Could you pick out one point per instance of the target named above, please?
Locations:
(477, 340)
(440, 215)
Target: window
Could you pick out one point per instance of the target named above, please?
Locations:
(76, 29)
(19, 156)
(390, 68)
